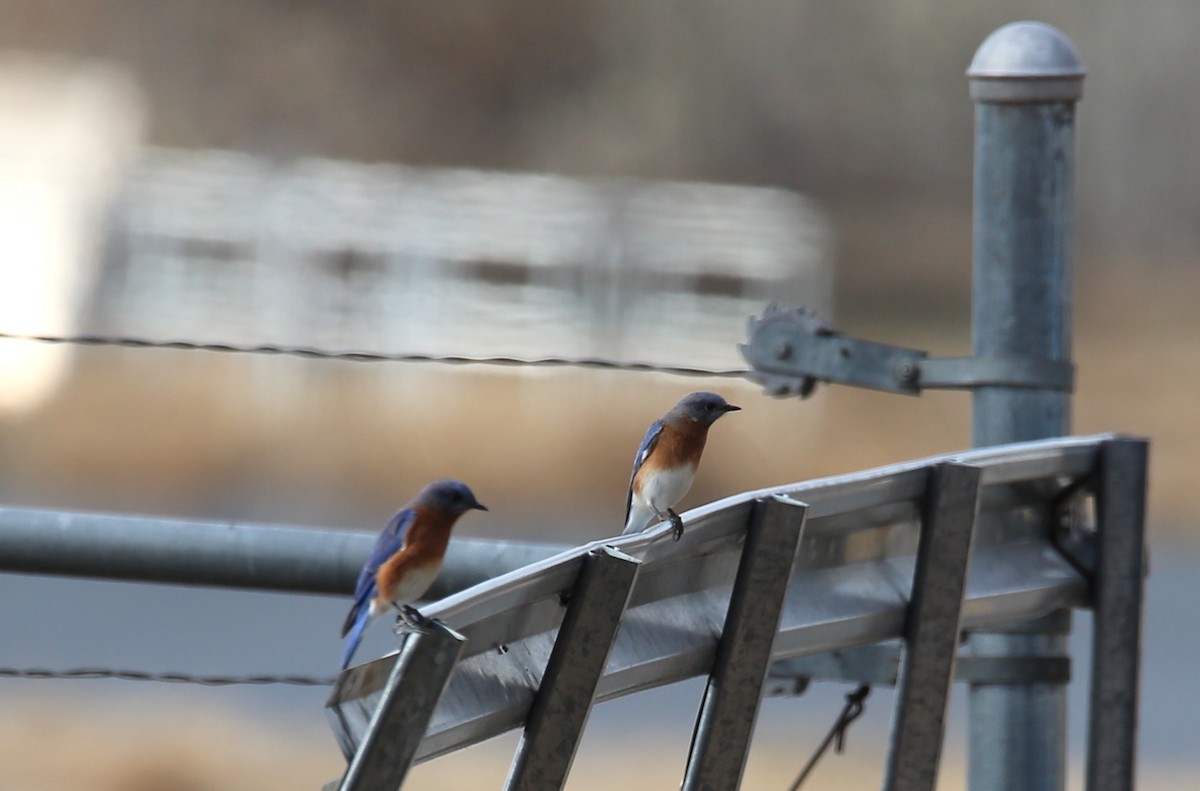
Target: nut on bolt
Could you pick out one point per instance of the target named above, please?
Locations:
(782, 350)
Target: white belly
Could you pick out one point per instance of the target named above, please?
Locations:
(664, 490)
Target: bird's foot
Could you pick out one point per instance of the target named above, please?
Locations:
(411, 616)
(677, 523)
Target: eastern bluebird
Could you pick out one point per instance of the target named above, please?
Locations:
(407, 557)
(665, 465)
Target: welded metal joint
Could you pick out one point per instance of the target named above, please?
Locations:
(791, 349)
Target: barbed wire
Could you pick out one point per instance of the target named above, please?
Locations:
(310, 352)
(169, 678)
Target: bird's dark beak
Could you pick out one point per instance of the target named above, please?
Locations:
(731, 408)
(478, 506)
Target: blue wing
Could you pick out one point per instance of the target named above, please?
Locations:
(390, 541)
(643, 451)
(359, 614)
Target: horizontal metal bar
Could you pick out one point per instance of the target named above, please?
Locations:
(791, 349)
(226, 554)
(877, 664)
(310, 560)
(880, 664)
(968, 372)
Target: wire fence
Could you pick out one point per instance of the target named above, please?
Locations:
(305, 352)
(308, 352)
(837, 734)
(94, 673)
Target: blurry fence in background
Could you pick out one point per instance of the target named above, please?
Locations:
(231, 247)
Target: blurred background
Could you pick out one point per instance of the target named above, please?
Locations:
(618, 179)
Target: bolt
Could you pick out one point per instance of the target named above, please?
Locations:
(782, 350)
(905, 370)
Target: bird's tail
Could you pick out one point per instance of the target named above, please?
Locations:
(355, 633)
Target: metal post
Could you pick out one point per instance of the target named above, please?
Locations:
(1117, 631)
(932, 629)
(1025, 79)
(726, 721)
(564, 699)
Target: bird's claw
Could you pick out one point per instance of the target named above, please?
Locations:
(677, 523)
(411, 616)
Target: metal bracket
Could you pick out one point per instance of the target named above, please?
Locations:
(790, 349)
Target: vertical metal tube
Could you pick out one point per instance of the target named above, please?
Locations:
(1117, 637)
(1025, 79)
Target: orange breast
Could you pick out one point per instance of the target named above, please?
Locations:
(680, 446)
(424, 548)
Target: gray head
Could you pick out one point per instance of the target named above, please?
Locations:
(449, 495)
(701, 407)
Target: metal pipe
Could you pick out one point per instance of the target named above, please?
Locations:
(226, 554)
(1025, 79)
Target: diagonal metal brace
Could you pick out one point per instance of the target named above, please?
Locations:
(790, 349)
(556, 720)
(422, 670)
(931, 633)
(725, 724)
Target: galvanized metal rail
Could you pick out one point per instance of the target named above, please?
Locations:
(852, 582)
(226, 554)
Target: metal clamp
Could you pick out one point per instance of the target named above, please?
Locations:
(1014, 669)
(790, 349)
(967, 372)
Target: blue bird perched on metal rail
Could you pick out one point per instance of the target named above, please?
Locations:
(407, 557)
(666, 461)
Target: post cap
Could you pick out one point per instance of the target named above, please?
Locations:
(1026, 62)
